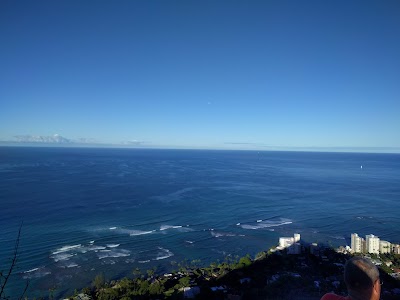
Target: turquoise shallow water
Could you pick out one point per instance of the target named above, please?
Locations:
(87, 211)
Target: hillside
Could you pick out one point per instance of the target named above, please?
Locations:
(271, 275)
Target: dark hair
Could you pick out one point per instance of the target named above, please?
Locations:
(360, 274)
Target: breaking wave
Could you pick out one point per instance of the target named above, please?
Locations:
(163, 254)
(66, 248)
(113, 253)
(31, 270)
(165, 227)
(139, 232)
(35, 273)
(70, 265)
(62, 256)
(95, 248)
(260, 224)
(143, 261)
(221, 234)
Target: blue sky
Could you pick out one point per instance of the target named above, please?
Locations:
(203, 74)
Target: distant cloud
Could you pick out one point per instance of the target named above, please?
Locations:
(58, 139)
(246, 143)
(52, 139)
(133, 143)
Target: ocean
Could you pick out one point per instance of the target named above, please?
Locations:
(87, 211)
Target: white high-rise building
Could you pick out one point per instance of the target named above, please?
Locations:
(385, 247)
(285, 242)
(296, 237)
(372, 243)
(353, 245)
(357, 243)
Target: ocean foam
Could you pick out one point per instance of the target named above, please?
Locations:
(165, 227)
(66, 249)
(143, 261)
(216, 234)
(113, 253)
(139, 232)
(112, 245)
(31, 270)
(250, 227)
(220, 234)
(113, 228)
(185, 229)
(163, 254)
(95, 248)
(62, 257)
(35, 273)
(267, 224)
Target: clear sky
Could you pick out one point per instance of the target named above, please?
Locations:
(203, 74)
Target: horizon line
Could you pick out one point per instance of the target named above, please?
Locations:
(333, 149)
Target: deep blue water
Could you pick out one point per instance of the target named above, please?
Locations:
(87, 211)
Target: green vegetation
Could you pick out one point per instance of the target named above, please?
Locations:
(99, 281)
(271, 275)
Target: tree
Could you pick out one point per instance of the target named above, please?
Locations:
(151, 272)
(136, 273)
(143, 287)
(156, 288)
(184, 281)
(99, 281)
(5, 276)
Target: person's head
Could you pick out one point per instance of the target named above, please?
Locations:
(362, 279)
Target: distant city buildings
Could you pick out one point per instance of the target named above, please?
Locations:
(291, 244)
(285, 242)
(357, 243)
(372, 244)
(385, 247)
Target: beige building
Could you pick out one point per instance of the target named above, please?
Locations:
(372, 244)
(385, 247)
(396, 248)
(357, 243)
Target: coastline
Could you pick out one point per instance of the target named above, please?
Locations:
(311, 273)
